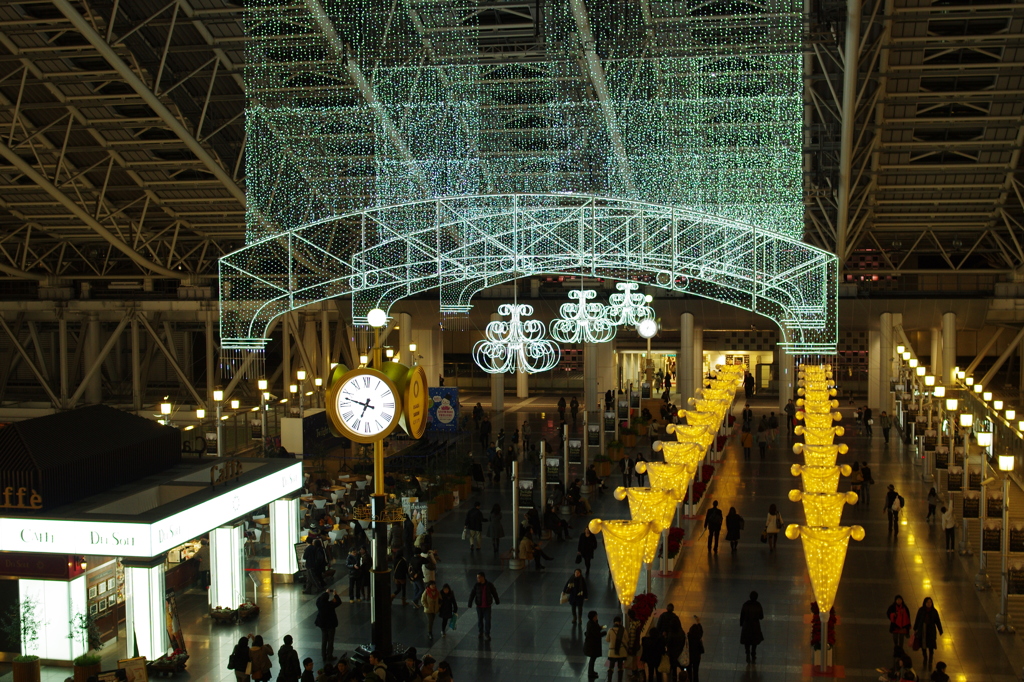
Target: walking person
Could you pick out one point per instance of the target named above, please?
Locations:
(400, 574)
(327, 620)
(526, 435)
(259, 656)
(431, 601)
(653, 650)
(790, 411)
(713, 525)
(474, 524)
(856, 479)
(365, 564)
(574, 408)
(772, 526)
(886, 423)
(585, 548)
(747, 441)
(671, 629)
(865, 486)
(352, 564)
(869, 421)
(762, 439)
(641, 479)
(773, 428)
(617, 649)
(576, 592)
(416, 577)
(926, 624)
(288, 661)
(751, 616)
(893, 505)
(485, 596)
(561, 409)
(495, 529)
(592, 642)
(695, 638)
(933, 501)
(899, 621)
(747, 417)
(239, 660)
(626, 466)
(949, 528)
(733, 525)
(447, 607)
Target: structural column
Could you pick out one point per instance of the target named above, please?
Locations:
(937, 364)
(497, 385)
(57, 603)
(885, 351)
(404, 337)
(227, 567)
(698, 358)
(91, 351)
(786, 378)
(874, 369)
(522, 385)
(145, 607)
(686, 382)
(284, 533)
(589, 376)
(948, 347)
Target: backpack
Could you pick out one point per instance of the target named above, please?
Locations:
(897, 504)
(420, 540)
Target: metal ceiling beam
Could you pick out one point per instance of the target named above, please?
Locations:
(849, 109)
(83, 26)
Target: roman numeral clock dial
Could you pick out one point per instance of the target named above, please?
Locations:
(364, 405)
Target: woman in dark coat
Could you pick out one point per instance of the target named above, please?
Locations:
(926, 625)
(592, 642)
(447, 607)
(239, 660)
(653, 651)
(733, 526)
(576, 588)
(695, 638)
(751, 616)
(496, 530)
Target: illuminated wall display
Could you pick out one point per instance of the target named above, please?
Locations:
(57, 603)
(227, 567)
(145, 608)
(44, 535)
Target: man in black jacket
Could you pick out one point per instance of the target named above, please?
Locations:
(671, 629)
(485, 596)
(586, 547)
(327, 621)
(713, 525)
(288, 661)
(474, 524)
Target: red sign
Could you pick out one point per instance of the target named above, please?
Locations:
(29, 565)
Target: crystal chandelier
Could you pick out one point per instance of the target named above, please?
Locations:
(582, 322)
(628, 308)
(516, 345)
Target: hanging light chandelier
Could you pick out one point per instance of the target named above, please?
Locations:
(628, 308)
(516, 345)
(582, 322)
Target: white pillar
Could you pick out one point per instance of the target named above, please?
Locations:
(57, 602)
(497, 388)
(698, 357)
(405, 338)
(522, 385)
(686, 382)
(787, 378)
(605, 372)
(324, 370)
(284, 533)
(948, 346)
(874, 370)
(146, 607)
(94, 391)
(936, 355)
(886, 348)
(589, 376)
(227, 567)
(312, 345)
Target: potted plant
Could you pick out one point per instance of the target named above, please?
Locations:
(248, 610)
(222, 614)
(22, 623)
(86, 666)
(628, 436)
(615, 450)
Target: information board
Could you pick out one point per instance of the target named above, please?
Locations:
(609, 421)
(623, 409)
(991, 540)
(971, 507)
(974, 479)
(1017, 539)
(526, 493)
(1015, 580)
(942, 458)
(955, 480)
(594, 435)
(575, 451)
(994, 508)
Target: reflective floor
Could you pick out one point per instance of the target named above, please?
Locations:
(533, 638)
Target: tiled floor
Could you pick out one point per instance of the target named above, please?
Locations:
(534, 640)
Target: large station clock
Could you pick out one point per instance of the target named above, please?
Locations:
(365, 405)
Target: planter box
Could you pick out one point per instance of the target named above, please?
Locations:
(616, 454)
(84, 672)
(604, 469)
(628, 440)
(26, 671)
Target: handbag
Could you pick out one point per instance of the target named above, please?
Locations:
(579, 558)
(563, 598)
(465, 532)
(764, 536)
(454, 620)
(915, 642)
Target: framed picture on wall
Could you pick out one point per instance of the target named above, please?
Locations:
(92, 592)
(93, 610)
(103, 604)
(110, 584)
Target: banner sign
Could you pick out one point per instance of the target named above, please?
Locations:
(594, 435)
(444, 410)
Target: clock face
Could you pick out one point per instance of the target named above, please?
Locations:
(365, 405)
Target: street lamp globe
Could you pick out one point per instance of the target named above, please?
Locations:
(967, 420)
(939, 392)
(1006, 462)
(647, 328)
(952, 404)
(376, 318)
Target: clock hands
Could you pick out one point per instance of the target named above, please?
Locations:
(365, 405)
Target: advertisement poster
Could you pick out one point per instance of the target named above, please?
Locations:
(623, 409)
(1017, 539)
(942, 458)
(974, 478)
(174, 625)
(526, 494)
(1016, 580)
(994, 507)
(645, 391)
(417, 511)
(255, 429)
(444, 410)
(634, 399)
(609, 422)
(575, 451)
(594, 434)
(991, 540)
(955, 479)
(971, 506)
(316, 433)
(554, 465)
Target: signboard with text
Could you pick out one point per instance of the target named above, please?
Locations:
(991, 540)
(972, 506)
(575, 451)
(594, 434)
(443, 410)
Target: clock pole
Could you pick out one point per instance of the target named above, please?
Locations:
(380, 585)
